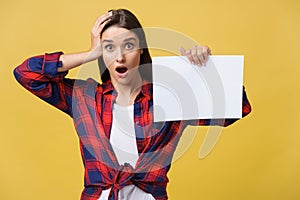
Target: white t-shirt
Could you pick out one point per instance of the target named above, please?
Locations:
(122, 139)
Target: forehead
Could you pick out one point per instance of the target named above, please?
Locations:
(115, 33)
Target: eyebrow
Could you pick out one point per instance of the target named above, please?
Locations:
(127, 39)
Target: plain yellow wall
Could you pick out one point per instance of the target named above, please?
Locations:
(257, 158)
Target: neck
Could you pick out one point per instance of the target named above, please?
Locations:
(128, 92)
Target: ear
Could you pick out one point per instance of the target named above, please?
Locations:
(141, 51)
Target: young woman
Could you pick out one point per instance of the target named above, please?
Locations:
(125, 154)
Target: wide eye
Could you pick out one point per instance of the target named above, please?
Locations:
(109, 47)
(129, 45)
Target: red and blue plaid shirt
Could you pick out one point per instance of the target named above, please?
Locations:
(90, 105)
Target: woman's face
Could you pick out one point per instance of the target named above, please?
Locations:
(121, 54)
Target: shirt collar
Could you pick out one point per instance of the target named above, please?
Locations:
(107, 87)
(146, 90)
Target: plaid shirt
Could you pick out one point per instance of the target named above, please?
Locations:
(90, 105)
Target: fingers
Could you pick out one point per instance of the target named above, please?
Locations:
(102, 18)
(100, 23)
(182, 51)
(95, 33)
(197, 55)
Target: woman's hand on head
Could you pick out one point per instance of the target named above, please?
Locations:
(73, 60)
(197, 55)
(96, 49)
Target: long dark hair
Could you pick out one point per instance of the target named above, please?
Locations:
(125, 19)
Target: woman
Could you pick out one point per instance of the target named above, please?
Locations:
(126, 155)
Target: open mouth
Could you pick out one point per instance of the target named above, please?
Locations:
(121, 70)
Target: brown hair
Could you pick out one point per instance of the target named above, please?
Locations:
(125, 19)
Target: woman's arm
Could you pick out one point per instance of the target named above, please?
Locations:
(39, 75)
(44, 75)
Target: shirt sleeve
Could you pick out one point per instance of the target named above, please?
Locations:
(39, 75)
(246, 109)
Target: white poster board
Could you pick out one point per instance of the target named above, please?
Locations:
(183, 91)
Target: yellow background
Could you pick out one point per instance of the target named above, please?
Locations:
(256, 158)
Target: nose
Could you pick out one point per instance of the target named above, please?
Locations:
(120, 56)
